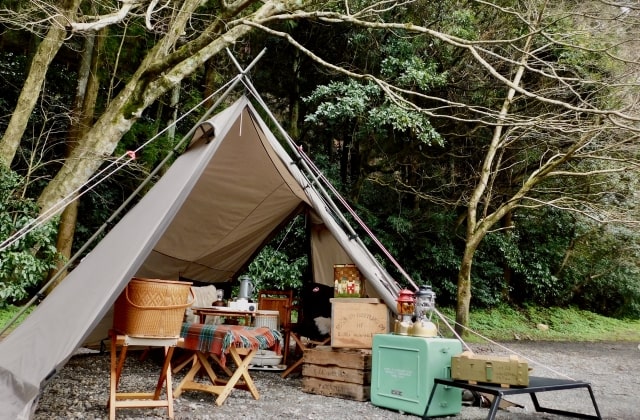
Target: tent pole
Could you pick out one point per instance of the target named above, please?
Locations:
(318, 179)
(173, 152)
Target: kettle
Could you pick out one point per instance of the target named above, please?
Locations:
(246, 287)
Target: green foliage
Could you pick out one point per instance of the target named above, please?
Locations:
(557, 259)
(364, 105)
(406, 68)
(273, 269)
(25, 264)
(505, 323)
(8, 312)
(340, 102)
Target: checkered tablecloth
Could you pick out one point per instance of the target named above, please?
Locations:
(218, 339)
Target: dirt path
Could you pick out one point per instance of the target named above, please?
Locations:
(613, 369)
(80, 391)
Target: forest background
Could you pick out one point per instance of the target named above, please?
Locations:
(492, 146)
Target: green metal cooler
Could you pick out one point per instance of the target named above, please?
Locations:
(403, 370)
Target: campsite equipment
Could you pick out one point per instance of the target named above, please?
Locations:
(403, 370)
(344, 373)
(219, 298)
(354, 322)
(246, 288)
(118, 398)
(181, 228)
(405, 307)
(152, 308)
(501, 370)
(276, 306)
(425, 306)
(266, 358)
(266, 318)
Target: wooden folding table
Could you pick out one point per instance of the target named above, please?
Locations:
(216, 342)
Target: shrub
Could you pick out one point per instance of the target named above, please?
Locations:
(25, 263)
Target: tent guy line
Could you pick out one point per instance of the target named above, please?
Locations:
(43, 218)
(321, 181)
(98, 178)
(77, 193)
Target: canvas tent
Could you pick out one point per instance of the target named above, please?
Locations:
(205, 219)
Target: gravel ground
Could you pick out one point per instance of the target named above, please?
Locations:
(80, 390)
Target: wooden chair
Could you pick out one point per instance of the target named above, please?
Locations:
(281, 301)
(140, 399)
(314, 302)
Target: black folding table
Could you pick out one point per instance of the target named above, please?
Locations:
(536, 385)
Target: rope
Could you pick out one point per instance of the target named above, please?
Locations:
(533, 362)
(317, 174)
(76, 194)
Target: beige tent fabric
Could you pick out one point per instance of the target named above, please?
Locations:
(242, 195)
(204, 219)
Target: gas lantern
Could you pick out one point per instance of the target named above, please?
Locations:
(424, 308)
(406, 307)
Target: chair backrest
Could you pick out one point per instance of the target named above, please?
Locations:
(277, 300)
(202, 296)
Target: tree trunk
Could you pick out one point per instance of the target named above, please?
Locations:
(463, 295)
(294, 99)
(211, 78)
(30, 92)
(507, 223)
(82, 116)
(478, 226)
(154, 77)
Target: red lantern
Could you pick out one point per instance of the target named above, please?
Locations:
(406, 302)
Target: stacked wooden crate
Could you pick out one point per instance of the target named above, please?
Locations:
(343, 373)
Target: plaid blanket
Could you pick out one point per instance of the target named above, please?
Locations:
(218, 339)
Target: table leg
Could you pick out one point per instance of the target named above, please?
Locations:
(221, 388)
(113, 381)
(242, 370)
(188, 382)
(541, 409)
(494, 406)
(137, 399)
(426, 409)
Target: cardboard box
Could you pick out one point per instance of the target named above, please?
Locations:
(355, 321)
(507, 370)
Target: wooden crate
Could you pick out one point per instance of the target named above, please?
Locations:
(355, 321)
(337, 389)
(342, 373)
(509, 370)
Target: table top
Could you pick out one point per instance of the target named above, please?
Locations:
(536, 384)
